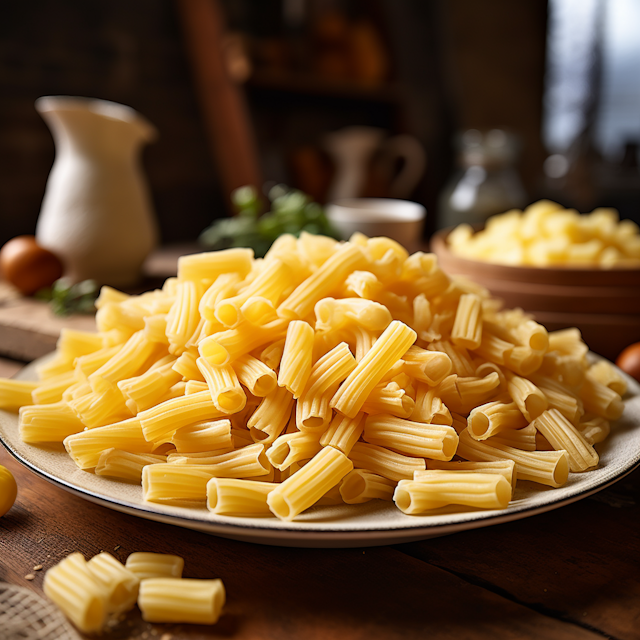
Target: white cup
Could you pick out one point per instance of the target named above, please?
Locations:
(401, 220)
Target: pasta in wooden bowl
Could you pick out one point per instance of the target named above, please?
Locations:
(324, 373)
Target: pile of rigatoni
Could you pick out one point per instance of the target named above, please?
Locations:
(324, 373)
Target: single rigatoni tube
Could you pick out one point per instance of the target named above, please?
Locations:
(324, 281)
(123, 465)
(388, 349)
(183, 317)
(303, 489)
(233, 497)
(506, 468)
(332, 314)
(437, 489)
(467, 327)
(312, 410)
(561, 434)
(293, 447)
(545, 467)
(120, 584)
(384, 462)
(162, 421)
(175, 482)
(295, 366)
(530, 400)
(560, 398)
(494, 349)
(210, 265)
(73, 343)
(429, 407)
(438, 442)
(248, 462)
(79, 595)
(431, 367)
(524, 438)
(203, 436)
(389, 398)
(255, 375)
(269, 420)
(147, 565)
(226, 392)
(606, 374)
(360, 486)
(54, 367)
(130, 360)
(186, 600)
(48, 422)
(101, 408)
(343, 432)
(86, 447)
(227, 346)
(186, 366)
(224, 286)
(601, 400)
(494, 417)
(15, 394)
(147, 389)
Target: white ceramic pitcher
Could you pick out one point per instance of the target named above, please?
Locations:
(96, 213)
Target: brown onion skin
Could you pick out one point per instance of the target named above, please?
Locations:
(629, 360)
(28, 266)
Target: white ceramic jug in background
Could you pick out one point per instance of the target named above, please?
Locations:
(352, 149)
(96, 213)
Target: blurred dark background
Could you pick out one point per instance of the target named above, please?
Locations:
(551, 75)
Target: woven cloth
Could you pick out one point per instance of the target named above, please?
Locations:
(24, 615)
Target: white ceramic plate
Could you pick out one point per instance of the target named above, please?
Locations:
(372, 523)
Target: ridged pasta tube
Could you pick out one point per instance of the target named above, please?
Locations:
(210, 265)
(120, 584)
(47, 423)
(324, 281)
(437, 489)
(524, 438)
(52, 389)
(431, 367)
(303, 489)
(545, 467)
(312, 410)
(293, 447)
(15, 394)
(560, 398)
(255, 375)
(147, 389)
(467, 326)
(73, 343)
(227, 346)
(147, 565)
(203, 436)
(86, 447)
(224, 286)
(530, 400)
(295, 365)
(390, 346)
(506, 468)
(167, 482)
(429, 407)
(116, 463)
(384, 462)
(79, 595)
(494, 417)
(333, 315)
(605, 374)
(160, 423)
(185, 600)
(494, 349)
(561, 434)
(271, 355)
(270, 419)
(438, 442)
(102, 408)
(233, 497)
(248, 462)
(389, 398)
(343, 432)
(224, 386)
(360, 486)
(601, 400)
(593, 428)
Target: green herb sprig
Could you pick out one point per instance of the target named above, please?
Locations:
(66, 298)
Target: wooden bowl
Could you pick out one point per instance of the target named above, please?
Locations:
(603, 303)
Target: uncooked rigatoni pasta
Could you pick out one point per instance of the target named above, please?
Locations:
(325, 372)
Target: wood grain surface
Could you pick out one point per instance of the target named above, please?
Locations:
(570, 573)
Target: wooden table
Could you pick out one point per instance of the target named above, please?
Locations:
(573, 573)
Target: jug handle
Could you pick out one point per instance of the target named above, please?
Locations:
(411, 151)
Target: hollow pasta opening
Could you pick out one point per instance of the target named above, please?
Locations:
(402, 498)
(561, 472)
(279, 505)
(479, 424)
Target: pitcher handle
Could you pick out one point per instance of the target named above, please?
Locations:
(411, 151)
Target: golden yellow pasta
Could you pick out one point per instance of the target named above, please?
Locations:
(147, 565)
(325, 373)
(120, 584)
